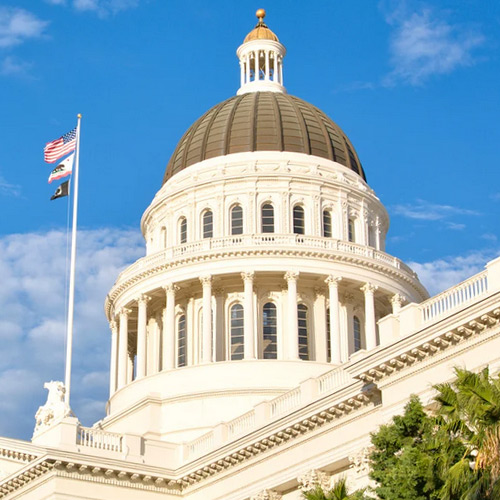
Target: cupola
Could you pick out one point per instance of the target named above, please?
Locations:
(261, 60)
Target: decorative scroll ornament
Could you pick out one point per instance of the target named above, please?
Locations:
(267, 495)
(54, 410)
(360, 462)
(313, 478)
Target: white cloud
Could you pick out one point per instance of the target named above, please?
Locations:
(8, 189)
(425, 210)
(441, 274)
(423, 45)
(19, 25)
(32, 320)
(104, 7)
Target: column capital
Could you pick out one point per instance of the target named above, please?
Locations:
(397, 302)
(248, 276)
(369, 288)
(333, 280)
(124, 311)
(170, 288)
(291, 276)
(113, 325)
(143, 298)
(319, 292)
(206, 280)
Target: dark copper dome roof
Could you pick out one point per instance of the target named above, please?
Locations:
(263, 121)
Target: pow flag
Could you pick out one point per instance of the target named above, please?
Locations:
(62, 190)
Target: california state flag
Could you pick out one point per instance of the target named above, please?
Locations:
(63, 169)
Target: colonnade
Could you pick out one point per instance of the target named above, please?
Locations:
(165, 345)
(253, 58)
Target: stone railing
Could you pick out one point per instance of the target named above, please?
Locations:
(455, 297)
(257, 241)
(274, 408)
(240, 424)
(285, 402)
(333, 380)
(95, 438)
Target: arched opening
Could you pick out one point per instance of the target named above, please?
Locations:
(182, 230)
(236, 332)
(327, 224)
(237, 220)
(356, 328)
(351, 230)
(181, 341)
(269, 331)
(208, 224)
(267, 218)
(298, 220)
(303, 332)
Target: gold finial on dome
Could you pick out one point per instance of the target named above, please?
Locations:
(261, 31)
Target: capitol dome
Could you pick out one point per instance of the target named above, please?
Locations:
(263, 121)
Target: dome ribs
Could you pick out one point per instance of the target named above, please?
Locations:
(263, 121)
(302, 125)
(235, 101)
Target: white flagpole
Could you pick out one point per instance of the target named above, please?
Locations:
(71, 297)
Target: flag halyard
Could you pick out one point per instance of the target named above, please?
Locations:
(60, 147)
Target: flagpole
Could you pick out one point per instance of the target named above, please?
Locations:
(71, 297)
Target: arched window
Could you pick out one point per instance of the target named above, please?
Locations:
(298, 220)
(351, 230)
(236, 332)
(269, 330)
(303, 337)
(327, 224)
(267, 218)
(208, 224)
(181, 341)
(183, 230)
(237, 220)
(328, 339)
(357, 333)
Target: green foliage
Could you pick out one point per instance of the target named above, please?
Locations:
(411, 456)
(337, 492)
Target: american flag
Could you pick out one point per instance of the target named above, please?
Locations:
(60, 147)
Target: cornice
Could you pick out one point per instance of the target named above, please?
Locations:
(236, 253)
(426, 348)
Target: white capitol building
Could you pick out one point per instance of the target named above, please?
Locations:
(266, 332)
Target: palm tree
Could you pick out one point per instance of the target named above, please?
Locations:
(469, 408)
(339, 491)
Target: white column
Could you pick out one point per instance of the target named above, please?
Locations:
(397, 302)
(248, 323)
(267, 65)
(281, 70)
(130, 368)
(123, 348)
(335, 342)
(141, 335)
(370, 327)
(242, 73)
(378, 242)
(169, 350)
(275, 67)
(114, 358)
(293, 320)
(256, 65)
(247, 67)
(320, 333)
(206, 355)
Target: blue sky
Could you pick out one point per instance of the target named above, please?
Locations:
(413, 84)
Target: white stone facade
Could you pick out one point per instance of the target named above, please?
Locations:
(254, 351)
